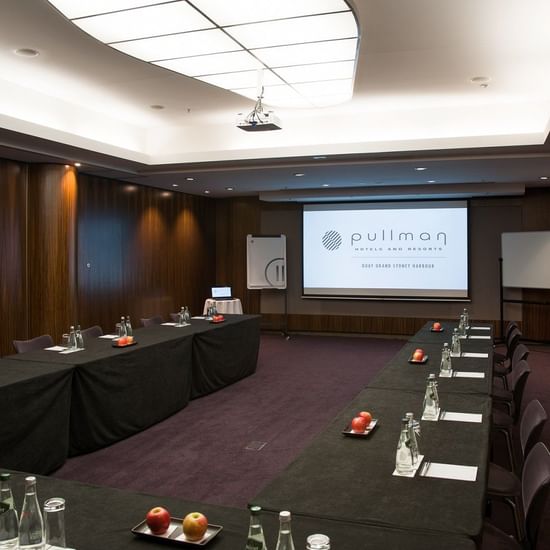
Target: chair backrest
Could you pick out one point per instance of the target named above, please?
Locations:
(511, 325)
(532, 422)
(92, 332)
(514, 336)
(521, 353)
(518, 379)
(40, 342)
(535, 483)
(151, 321)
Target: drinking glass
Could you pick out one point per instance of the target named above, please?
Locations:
(54, 521)
(65, 340)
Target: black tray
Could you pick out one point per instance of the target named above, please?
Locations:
(174, 534)
(115, 345)
(349, 432)
(421, 362)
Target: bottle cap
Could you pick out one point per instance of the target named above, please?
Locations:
(4, 476)
(255, 509)
(318, 541)
(284, 516)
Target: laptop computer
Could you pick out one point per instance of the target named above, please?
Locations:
(222, 293)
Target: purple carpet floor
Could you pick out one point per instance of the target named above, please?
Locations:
(201, 452)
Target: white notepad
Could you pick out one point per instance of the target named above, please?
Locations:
(461, 417)
(464, 374)
(168, 324)
(451, 471)
(480, 328)
(55, 348)
(67, 351)
(474, 337)
(475, 354)
(109, 336)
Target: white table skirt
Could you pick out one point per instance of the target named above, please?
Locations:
(224, 306)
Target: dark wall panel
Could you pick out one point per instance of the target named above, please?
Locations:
(235, 219)
(52, 200)
(141, 251)
(13, 253)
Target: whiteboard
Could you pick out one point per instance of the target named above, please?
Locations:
(266, 261)
(526, 259)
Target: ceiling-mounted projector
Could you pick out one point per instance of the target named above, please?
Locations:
(259, 120)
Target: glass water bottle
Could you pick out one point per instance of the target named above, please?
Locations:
(404, 461)
(9, 526)
(31, 525)
(129, 330)
(431, 405)
(256, 539)
(72, 338)
(445, 368)
(284, 541)
(412, 437)
(455, 344)
(79, 338)
(122, 328)
(186, 316)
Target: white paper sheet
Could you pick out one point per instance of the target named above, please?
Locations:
(198, 317)
(70, 351)
(475, 337)
(413, 473)
(463, 374)
(168, 324)
(480, 328)
(451, 471)
(461, 417)
(109, 336)
(55, 348)
(475, 354)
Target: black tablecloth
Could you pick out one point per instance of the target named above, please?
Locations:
(101, 518)
(35, 400)
(400, 374)
(225, 353)
(119, 392)
(351, 479)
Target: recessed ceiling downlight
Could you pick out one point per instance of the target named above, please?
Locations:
(157, 107)
(27, 52)
(482, 81)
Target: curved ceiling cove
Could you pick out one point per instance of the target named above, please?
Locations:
(302, 52)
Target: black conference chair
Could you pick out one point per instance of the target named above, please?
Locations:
(92, 332)
(151, 321)
(504, 423)
(40, 342)
(535, 484)
(505, 485)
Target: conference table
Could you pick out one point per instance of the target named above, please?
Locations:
(102, 518)
(117, 392)
(35, 401)
(352, 478)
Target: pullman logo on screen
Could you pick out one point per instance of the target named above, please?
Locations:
(332, 240)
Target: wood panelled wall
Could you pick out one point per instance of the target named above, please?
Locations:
(76, 248)
(536, 217)
(13, 253)
(235, 219)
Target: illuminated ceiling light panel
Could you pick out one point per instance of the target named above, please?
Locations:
(235, 12)
(213, 64)
(178, 45)
(302, 54)
(246, 79)
(320, 71)
(82, 8)
(306, 48)
(160, 20)
(314, 28)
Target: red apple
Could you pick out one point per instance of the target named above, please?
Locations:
(194, 526)
(366, 415)
(418, 355)
(436, 326)
(359, 424)
(122, 341)
(158, 520)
